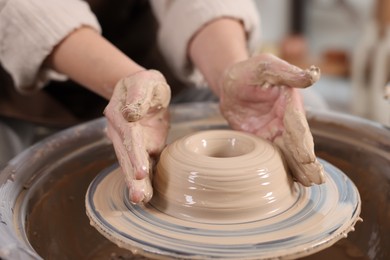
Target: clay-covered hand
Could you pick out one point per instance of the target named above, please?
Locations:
(259, 96)
(138, 126)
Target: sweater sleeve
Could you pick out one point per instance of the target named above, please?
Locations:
(30, 29)
(179, 20)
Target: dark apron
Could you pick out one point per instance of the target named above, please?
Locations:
(129, 25)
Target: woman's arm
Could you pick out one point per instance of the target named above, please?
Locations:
(89, 59)
(217, 46)
(192, 20)
(137, 121)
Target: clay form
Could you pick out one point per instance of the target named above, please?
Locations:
(223, 194)
(222, 176)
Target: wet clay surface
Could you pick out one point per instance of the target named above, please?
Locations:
(66, 233)
(222, 176)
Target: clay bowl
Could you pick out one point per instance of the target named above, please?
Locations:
(42, 191)
(222, 176)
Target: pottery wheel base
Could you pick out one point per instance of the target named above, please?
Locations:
(321, 216)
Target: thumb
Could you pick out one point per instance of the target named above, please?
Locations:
(274, 71)
(145, 90)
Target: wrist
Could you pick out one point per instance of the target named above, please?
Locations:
(216, 47)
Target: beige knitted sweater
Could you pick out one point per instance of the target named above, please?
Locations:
(30, 29)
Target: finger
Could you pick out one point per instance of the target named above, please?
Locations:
(121, 154)
(297, 145)
(122, 151)
(139, 190)
(142, 191)
(131, 137)
(272, 71)
(139, 158)
(134, 143)
(159, 120)
(138, 96)
(131, 134)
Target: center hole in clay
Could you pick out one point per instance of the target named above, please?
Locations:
(221, 147)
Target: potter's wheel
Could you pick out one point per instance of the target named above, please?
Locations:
(51, 179)
(320, 216)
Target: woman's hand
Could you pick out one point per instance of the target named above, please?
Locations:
(138, 126)
(259, 96)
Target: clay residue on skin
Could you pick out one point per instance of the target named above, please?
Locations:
(297, 146)
(154, 95)
(267, 103)
(314, 73)
(267, 75)
(137, 125)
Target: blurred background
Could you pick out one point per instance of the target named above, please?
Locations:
(347, 39)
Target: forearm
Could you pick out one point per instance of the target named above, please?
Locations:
(217, 46)
(89, 59)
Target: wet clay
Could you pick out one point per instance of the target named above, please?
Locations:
(222, 176)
